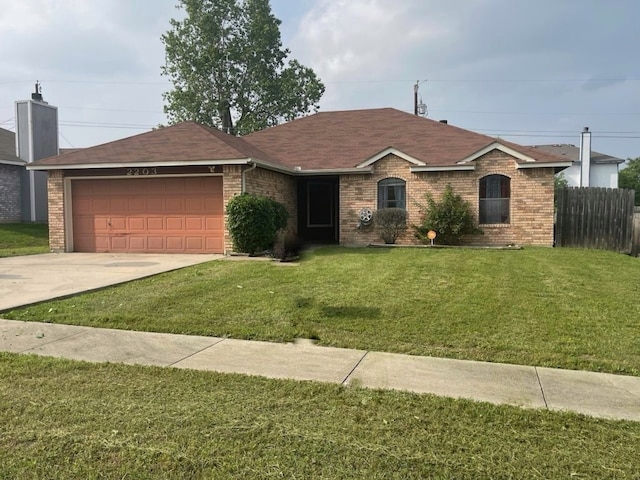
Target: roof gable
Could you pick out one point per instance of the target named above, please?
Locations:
(497, 146)
(389, 151)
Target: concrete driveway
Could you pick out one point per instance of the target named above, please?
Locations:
(35, 278)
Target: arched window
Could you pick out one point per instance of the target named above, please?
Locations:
(495, 193)
(391, 193)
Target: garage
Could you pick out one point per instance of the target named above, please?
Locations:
(148, 215)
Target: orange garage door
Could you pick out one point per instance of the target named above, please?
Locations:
(155, 215)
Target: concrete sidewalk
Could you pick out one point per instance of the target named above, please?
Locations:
(596, 394)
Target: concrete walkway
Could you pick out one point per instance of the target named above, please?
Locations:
(596, 394)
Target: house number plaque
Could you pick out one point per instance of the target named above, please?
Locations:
(142, 171)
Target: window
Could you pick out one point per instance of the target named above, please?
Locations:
(495, 192)
(391, 193)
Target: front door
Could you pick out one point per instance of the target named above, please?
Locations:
(318, 199)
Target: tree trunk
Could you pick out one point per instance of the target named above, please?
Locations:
(225, 117)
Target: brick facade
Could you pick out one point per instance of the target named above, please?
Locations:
(281, 188)
(531, 205)
(10, 193)
(259, 181)
(231, 186)
(55, 186)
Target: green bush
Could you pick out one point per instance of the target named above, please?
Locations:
(450, 218)
(254, 222)
(629, 177)
(391, 222)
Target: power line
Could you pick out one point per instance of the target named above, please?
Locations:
(81, 123)
(89, 82)
(358, 81)
(593, 135)
(490, 80)
(599, 132)
(591, 114)
(110, 109)
(65, 138)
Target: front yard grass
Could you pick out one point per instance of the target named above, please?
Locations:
(568, 308)
(64, 419)
(23, 239)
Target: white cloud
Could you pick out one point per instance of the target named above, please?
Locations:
(347, 39)
(99, 61)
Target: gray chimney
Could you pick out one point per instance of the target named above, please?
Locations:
(585, 157)
(36, 138)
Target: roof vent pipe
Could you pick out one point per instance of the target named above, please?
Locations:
(37, 95)
(446, 122)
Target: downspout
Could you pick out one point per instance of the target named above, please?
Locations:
(244, 179)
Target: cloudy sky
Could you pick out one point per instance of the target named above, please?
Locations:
(532, 72)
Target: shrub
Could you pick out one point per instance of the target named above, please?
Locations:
(391, 222)
(559, 182)
(254, 222)
(450, 218)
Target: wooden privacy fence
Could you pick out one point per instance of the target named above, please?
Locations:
(635, 249)
(595, 218)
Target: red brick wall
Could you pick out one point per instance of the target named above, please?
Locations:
(531, 199)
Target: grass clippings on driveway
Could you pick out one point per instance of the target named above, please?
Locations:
(72, 420)
(569, 308)
(23, 239)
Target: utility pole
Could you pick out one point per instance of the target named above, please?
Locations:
(419, 108)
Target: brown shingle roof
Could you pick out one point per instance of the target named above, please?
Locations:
(347, 138)
(8, 147)
(184, 142)
(572, 153)
(328, 140)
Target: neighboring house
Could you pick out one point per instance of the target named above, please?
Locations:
(603, 171)
(11, 171)
(167, 190)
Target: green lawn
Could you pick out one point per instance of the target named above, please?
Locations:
(570, 308)
(64, 419)
(23, 239)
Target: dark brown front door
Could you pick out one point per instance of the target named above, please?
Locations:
(318, 209)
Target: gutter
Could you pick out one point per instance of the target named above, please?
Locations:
(253, 166)
(19, 163)
(90, 166)
(544, 165)
(453, 168)
(296, 171)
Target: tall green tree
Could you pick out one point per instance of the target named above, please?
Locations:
(630, 177)
(226, 62)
